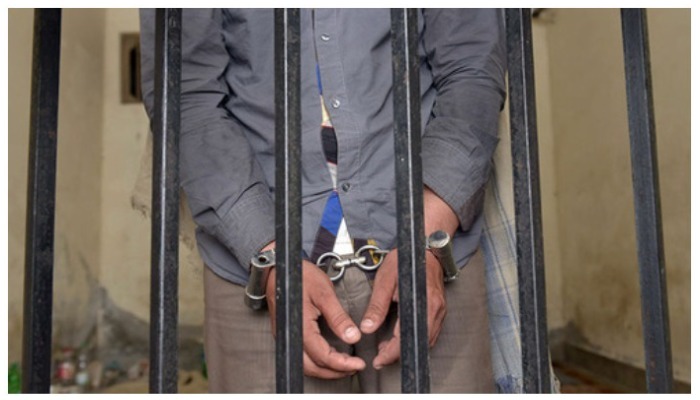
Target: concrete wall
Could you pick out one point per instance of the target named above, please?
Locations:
(126, 228)
(548, 184)
(102, 270)
(78, 183)
(126, 195)
(593, 176)
(19, 75)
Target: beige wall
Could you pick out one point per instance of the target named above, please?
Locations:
(77, 233)
(102, 269)
(670, 51)
(593, 177)
(126, 229)
(125, 262)
(553, 277)
(19, 75)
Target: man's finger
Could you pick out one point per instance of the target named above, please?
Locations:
(437, 303)
(390, 351)
(437, 309)
(378, 305)
(311, 369)
(337, 319)
(325, 356)
(435, 327)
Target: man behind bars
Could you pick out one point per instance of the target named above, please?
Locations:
(227, 171)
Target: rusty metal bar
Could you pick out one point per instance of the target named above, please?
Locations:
(289, 344)
(415, 375)
(41, 203)
(647, 204)
(165, 203)
(526, 191)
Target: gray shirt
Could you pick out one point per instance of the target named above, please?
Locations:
(227, 121)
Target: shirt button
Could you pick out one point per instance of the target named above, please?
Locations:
(345, 187)
(325, 37)
(335, 103)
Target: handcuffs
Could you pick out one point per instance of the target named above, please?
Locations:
(334, 261)
(438, 243)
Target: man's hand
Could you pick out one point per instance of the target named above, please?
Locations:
(438, 215)
(319, 299)
(386, 290)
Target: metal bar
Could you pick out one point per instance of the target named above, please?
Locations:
(647, 205)
(528, 216)
(41, 198)
(289, 342)
(165, 203)
(415, 376)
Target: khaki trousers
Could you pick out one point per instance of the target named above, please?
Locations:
(240, 349)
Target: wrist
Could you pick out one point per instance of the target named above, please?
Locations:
(269, 246)
(438, 215)
(432, 262)
(266, 273)
(440, 248)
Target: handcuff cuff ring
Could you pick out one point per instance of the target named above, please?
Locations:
(255, 289)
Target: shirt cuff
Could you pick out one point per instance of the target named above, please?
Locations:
(459, 179)
(249, 225)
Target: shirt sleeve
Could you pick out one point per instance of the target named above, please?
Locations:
(466, 54)
(226, 189)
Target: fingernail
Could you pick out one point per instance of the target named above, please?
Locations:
(367, 324)
(352, 333)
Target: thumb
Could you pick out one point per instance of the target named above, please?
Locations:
(338, 320)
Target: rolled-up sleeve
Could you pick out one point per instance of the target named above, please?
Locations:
(466, 53)
(225, 187)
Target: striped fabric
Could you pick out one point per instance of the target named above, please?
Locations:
(332, 234)
(498, 245)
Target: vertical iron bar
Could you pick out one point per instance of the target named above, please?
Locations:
(289, 344)
(165, 203)
(528, 216)
(647, 206)
(415, 376)
(41, 198)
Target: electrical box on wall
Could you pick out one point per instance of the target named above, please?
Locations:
(130, 68)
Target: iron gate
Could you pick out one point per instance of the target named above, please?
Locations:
(38, 289)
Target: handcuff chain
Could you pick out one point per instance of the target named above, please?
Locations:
(357, 259)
